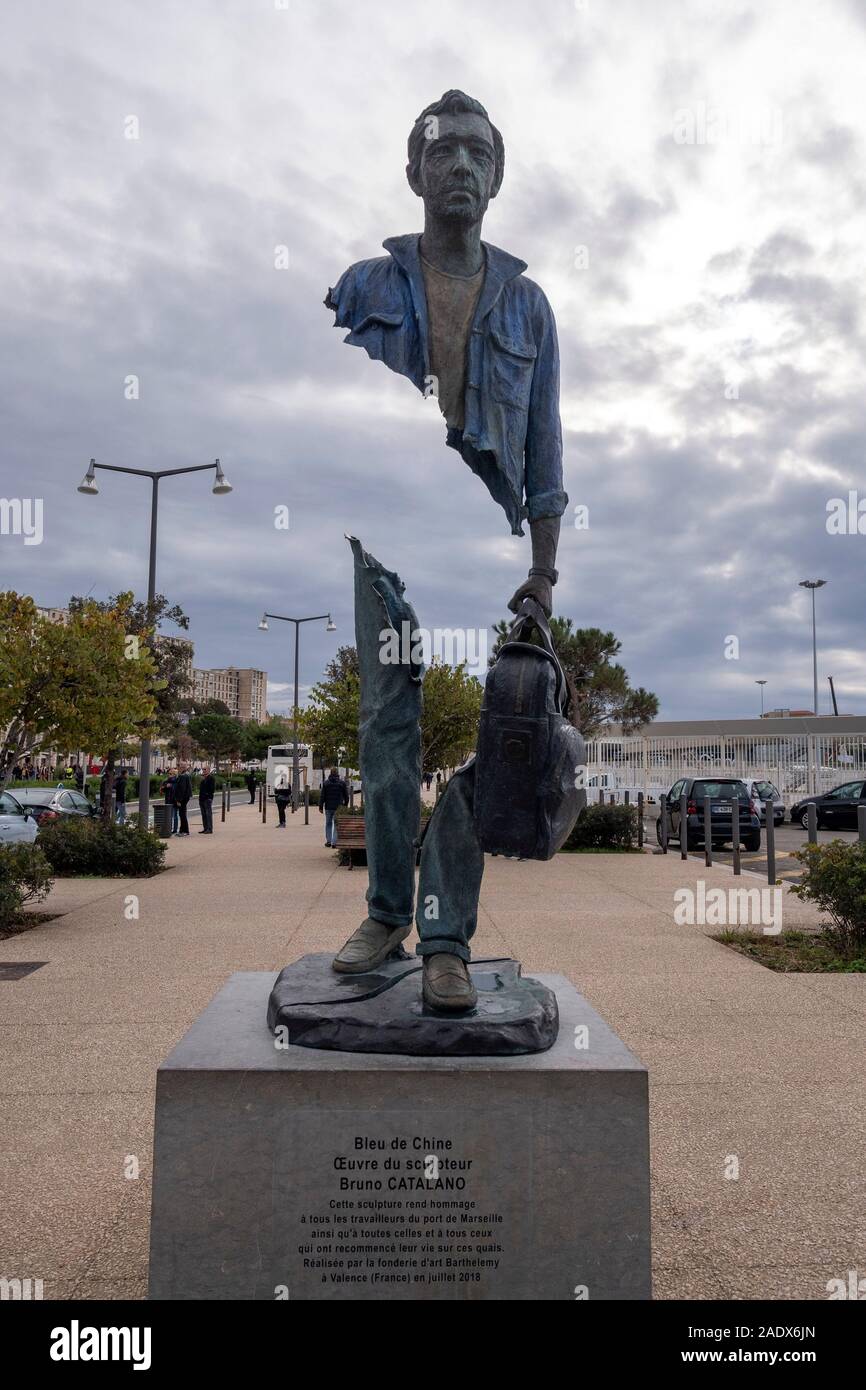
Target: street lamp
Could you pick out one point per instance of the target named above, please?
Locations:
(263, 627)
(814, 584)
(761, 684)
(89, 488)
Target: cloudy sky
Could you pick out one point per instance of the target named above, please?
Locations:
(686, 181)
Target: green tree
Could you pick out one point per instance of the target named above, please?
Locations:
(114, 697)
(84, 683)
(449, 719)
(599, 686)
(35, 676)
(257, 738)
(170, 654)
(216, 734)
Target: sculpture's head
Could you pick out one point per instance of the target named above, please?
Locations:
(456, 158)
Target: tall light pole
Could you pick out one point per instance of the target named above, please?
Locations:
(814, 584)
(761, 684)
(89, 488)
(263, 627)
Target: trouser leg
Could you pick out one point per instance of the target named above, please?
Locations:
(184, 823)
(389, 737)
(452, 863)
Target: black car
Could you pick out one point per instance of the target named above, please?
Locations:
(720, 790)
(48, 804)
(836, 809)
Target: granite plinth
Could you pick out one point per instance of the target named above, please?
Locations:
(299, 1173)
(383, 1011)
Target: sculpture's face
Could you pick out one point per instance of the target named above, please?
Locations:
(458, 167)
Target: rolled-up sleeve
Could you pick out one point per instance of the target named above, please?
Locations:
(543, 457)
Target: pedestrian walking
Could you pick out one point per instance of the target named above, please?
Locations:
(168, 797)
(182, 797)
(429, 780)
(78, 775)
(120, 797)
(282, 796)
(206, 790)
(334, 794)
(250, 780)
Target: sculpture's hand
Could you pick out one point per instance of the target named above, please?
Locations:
(537, 587)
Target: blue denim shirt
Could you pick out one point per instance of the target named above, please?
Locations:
(512, 436)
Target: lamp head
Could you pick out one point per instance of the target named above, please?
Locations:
(88, 482)
(332, 626)
(263, 625)
(221, 485)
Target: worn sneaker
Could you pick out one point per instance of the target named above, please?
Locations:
(368, 947)
(446, 983)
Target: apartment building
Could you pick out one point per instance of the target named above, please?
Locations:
(242, 688)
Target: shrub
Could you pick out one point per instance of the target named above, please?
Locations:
(73, 845)
(835, 878)
(25, 876)
(605, 827)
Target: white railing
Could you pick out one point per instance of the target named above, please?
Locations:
(798, 764)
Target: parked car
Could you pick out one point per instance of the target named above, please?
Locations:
(720, 791)
(762, 792)
(50, 803)
(836, 809)
(17, 826)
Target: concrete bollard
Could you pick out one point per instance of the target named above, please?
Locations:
(735, 822)
(684, 826)
(812, 822)
(663, 821)
(708, 833)
(306, 804)
(861, 824)
(223, 811)
(640, 820)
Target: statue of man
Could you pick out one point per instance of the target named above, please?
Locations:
(458, 318)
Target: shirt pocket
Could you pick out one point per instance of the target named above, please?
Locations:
(512, 366)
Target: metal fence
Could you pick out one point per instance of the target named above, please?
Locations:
(798, 764)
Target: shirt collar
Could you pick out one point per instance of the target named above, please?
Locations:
(501, 267)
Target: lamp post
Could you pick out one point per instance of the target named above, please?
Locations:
(89, 488)
(814, 584)
(761, 684)
(263, 627)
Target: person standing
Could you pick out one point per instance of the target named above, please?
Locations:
(183, 796)
(168, 797)
(120, 797)
(250, 780)
(334, 794)
(206, 790)
(79, 777)
(282, 796)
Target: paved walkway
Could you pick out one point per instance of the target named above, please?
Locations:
(745, 1064)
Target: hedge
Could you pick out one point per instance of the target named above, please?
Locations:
(25, 876)
(76, 845)
(605, 827)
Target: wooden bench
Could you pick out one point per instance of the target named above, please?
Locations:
(351, 836)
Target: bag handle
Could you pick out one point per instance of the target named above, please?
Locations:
(531, 614)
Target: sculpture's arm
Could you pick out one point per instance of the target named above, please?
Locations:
(543, 574)
(545, 499)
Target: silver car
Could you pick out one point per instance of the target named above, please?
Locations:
(762, 792)
(17, 826)
(48, 804)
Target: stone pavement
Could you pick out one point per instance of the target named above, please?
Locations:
(746, 1066)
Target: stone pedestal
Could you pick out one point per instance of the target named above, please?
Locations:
(287, 1172)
